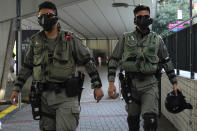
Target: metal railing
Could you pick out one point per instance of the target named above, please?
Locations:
(169, 30)
(176, 44)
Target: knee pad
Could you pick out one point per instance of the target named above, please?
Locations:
(133, 123)
(150, 122)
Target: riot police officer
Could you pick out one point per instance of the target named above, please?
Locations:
(140, 52)
(51, 59)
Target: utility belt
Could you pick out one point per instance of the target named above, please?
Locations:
(51, 86)
(73, 87)
(135, 75)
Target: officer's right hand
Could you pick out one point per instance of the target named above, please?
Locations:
(98, 94)
(112, 90)
(14, 98)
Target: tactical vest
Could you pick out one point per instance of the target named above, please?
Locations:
(140, 56)
(55, 67)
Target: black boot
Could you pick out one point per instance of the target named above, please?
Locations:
(150, 122)
(133, 123)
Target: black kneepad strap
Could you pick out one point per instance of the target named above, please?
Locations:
(150, 121)
(133, 123)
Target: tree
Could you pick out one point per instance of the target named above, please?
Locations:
(167, 13)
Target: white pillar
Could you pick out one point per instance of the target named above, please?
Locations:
(6, 47)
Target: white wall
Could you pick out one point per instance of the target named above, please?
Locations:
(186, 120)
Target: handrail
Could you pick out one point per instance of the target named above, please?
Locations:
(163, 34)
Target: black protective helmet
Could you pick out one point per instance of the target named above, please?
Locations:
(175, 104)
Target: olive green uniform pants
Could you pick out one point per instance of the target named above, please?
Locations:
(145, 91)
(64, 109)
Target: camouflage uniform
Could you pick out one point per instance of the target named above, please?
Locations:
(54, 61)
(139, 56)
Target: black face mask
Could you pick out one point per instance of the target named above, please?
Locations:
(47, 21)
(143, 21)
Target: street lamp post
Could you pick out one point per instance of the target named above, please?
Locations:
(18, 42)
(190, 43)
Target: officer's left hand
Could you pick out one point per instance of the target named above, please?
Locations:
(98, 94)
(14, 97)
(175, 88)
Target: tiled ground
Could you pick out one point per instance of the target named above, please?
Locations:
(107, 115)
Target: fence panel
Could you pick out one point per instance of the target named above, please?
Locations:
(182, 58)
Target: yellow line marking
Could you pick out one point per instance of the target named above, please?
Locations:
(25, 98)
(8, 110)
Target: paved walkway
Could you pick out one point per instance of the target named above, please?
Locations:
(107, 115)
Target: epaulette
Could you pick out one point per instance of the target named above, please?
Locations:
(155, 34)
(36, 34)
(128, 34)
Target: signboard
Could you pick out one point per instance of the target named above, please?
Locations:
(180, 27)
(179, 14)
